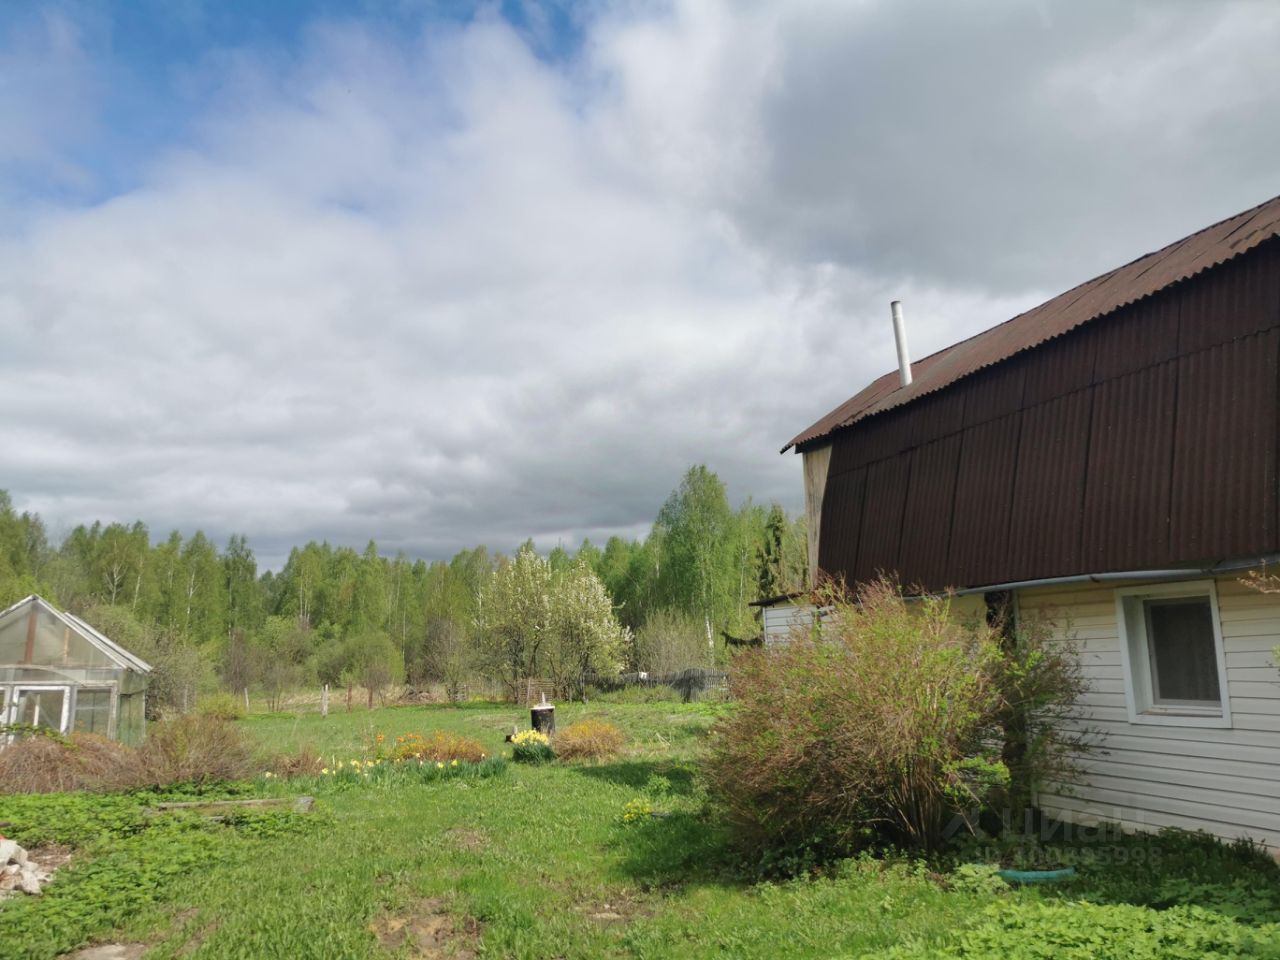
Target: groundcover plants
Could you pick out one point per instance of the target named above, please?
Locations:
(544, 861)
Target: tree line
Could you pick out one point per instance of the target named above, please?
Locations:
(206, 616)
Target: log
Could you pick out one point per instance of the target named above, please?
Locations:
(299, 804)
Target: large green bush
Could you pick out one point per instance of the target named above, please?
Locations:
(879, 728)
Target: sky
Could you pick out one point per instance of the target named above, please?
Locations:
(442, 274)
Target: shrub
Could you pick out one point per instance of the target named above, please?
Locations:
(530, 746)
(589, 738)
(873, 731)
(671, 641)
(191, 749)
(224, 706)
(1039, 681)
(49, 763)
(194, 749)
(440, 746)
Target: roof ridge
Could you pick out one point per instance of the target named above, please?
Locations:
(829, 423)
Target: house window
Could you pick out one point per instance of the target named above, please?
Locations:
(1171, 646)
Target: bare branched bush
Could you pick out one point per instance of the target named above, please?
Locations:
(879, 727)
(54, 764)
(1040, 681)
(671, 641)
(191, 749)
(194, 749)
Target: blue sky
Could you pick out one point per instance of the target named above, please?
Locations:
(444, 275)
(155, 64)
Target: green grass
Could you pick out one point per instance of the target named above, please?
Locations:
(655, 730)
(536, 862)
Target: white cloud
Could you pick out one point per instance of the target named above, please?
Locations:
(438, 291)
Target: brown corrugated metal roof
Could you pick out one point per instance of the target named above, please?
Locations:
(1143, 277)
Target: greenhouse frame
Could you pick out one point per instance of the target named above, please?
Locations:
(60, 674)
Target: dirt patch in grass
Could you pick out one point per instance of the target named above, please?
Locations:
(428, 930)
(194, 930)
(620, 909)
(465, 838)
(110, 951)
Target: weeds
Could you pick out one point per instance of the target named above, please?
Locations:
(590, 739)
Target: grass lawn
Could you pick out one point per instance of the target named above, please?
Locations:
(537, 862)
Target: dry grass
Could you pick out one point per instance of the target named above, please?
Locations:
(591, 739)
(190, 749)
(43, 764)
(306, 763)
(440, 746)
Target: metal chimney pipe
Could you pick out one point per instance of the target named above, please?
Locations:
(900, 338)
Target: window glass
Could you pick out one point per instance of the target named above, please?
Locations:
(93, 711)
(1184, 662)
(41, 708)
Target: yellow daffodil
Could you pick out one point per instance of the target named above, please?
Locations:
(454, 764)
(439, 765)
(325, 770)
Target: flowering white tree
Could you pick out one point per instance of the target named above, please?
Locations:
(514, 618)
(586, 638)
(537, 623)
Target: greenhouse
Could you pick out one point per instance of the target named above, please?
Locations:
(59, 673)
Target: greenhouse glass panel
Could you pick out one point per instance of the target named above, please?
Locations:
(40, 638)
(93, 711)
(131, 719)
(41, 707)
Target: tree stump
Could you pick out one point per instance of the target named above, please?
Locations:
(543, 718)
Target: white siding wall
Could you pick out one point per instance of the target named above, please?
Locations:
(781, 619)
(1225, 781)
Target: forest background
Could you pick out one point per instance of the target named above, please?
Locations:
(207, 619)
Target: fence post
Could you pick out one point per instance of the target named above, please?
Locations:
(246, 700)
(324, 701)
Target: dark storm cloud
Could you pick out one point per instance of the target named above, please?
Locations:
(1011, 146)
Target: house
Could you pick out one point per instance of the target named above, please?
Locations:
(1108, 459)
(59, 673)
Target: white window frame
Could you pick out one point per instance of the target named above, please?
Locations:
(17, 687)
(1136, 658)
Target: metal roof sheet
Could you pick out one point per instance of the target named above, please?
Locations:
(1096, 298)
